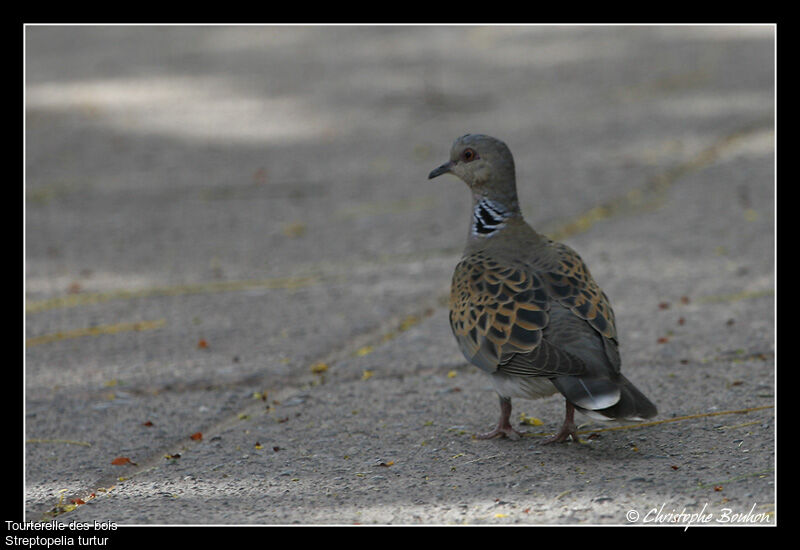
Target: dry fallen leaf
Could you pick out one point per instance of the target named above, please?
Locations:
(319, 368)
(361, 352)
(294, 229)
(202, 344)
(529, 420)
(197, 436)
(122, 460)
(260, 176)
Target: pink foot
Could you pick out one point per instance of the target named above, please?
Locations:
(500, 431)
(563, 434)
(503, 428)
(567, 429)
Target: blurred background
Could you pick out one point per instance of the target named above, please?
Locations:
(167, 156)
(232, 203)
(197, 149)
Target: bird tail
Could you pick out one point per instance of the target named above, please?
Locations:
(604, 399)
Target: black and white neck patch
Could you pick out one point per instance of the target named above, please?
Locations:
(488, 217)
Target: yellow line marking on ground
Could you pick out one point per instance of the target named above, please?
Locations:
(736, 296)
(60, 441)
(737, 478)
(94, 331)
(664, 421)
(72, 300)
(652, 193)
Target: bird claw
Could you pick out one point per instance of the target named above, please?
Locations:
(501, 431)
(567, 431)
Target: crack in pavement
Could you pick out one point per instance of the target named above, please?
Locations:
(639, 199)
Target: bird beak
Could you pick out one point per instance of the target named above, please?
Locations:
(443, 169)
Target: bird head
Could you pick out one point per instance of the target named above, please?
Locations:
(485, 164)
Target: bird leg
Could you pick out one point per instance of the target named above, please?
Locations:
(503, 428)
(567, 429)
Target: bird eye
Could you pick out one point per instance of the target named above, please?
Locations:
(469, 155)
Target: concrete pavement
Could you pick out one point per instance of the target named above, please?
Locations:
(230, 233)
